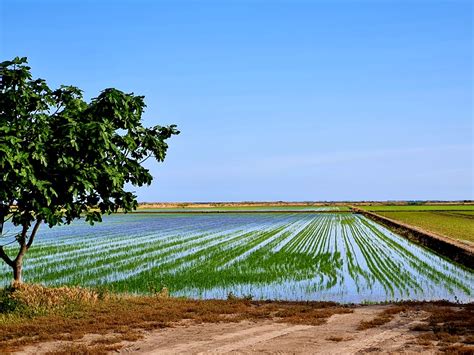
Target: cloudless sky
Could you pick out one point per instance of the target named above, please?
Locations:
(276, 100)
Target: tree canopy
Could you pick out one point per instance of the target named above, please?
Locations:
(62, 158)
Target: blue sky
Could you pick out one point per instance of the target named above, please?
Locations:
(276, 100)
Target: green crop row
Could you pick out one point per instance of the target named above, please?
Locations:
(319, 256)
(458, 225)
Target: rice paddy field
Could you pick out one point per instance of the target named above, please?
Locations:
(415, 208)
(451, 223)
(340, 257)
(244, 209)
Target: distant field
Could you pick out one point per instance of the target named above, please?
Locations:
(244, 208)
(458, 225)
(377, 208)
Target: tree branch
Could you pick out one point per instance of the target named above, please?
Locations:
(22, 241)
(57, 110)
(144, 160)
(33, 233)
(5, 257)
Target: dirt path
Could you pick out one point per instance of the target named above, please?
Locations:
(339, 335)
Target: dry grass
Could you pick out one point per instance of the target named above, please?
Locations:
(125, 318)
(93, 323)
(308, 314)
(335, 338)
(452, 329)
(86, 349)
(38, 297)
(383, 318)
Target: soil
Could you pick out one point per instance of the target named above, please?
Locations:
(341, 334)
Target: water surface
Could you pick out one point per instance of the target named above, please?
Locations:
(340, 257)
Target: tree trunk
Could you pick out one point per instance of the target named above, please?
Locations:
(17, 268)
(25, 244)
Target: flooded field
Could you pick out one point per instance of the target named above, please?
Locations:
(340, 257)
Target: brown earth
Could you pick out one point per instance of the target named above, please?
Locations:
(412, 328)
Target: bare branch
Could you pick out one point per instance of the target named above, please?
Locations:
(4, 245)
(33, 233)
(57, 110)
(144, 160)
(6, 258)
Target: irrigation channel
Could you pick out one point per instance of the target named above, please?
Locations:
(342, 257)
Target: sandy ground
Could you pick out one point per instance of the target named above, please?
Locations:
(339, 335)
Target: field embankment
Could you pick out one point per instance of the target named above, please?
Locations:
(454, 224)
(72, 320)
(456, 250)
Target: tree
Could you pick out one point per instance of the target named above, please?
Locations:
(62, 158)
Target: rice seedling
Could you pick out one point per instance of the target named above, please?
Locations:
(288, 256)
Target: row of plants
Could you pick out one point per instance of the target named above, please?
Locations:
(340, 257)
